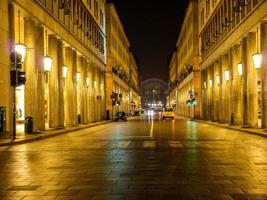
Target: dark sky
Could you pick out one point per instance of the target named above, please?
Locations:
(152, 28)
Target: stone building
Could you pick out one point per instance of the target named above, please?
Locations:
(173, 95)
(118, 77)
(135, 84)
(233, 52)
(186, 87)
(154, 93)
(64, 46)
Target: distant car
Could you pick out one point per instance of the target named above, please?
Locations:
(168, 113)
(121, 115)
(136, 113)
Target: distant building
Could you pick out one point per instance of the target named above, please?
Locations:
(154, 93)
(184, 77)
(122, 76)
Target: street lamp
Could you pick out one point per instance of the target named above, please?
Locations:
(257, 59)
(47, 64)
(78, 76)
(227, 75)
(87, 81)
(240, 69)
(218, 79)
(210, 83)
(21, 49)
(65, 71)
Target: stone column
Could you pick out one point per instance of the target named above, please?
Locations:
(231, 102)
(263, 47)
(74, 83)
(252, 82)
(68, 88)
(39, 63)
(221, 116)
(7, 44)
(61, 84)
(244, 78)
(31, 72)
(53, 83)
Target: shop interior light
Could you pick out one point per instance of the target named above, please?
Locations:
(210, 83)
(65, 71)
(21, 49)
(205, 85)
(240, 69)
(218, 79)
(227, 75)
(87, 81)
(47, 63)
(94, 84)
(257, 58)
(78, 76)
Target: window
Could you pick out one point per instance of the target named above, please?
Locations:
(96, 9)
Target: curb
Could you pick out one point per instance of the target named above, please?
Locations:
(49, 135)
(227, 126)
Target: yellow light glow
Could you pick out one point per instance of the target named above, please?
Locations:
(94, 84)
(205, 85)
(21, 49)
(240, 69)
(227, 75)
(78, 76)
(87, 81)
(210, 83)
(47, 63)
(101, 86)
(65, 71)
(257, 58)
(218, 80)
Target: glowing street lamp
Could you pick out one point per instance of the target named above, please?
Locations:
(210, 83)
(257, 59)
(78, 76)
(21, 49)
(87, 81)
(47, 63)
(218, 80)
(65, 71)
(205, 85)
(227, 75)
(240, 69)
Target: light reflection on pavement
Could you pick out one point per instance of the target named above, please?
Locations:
(144, 158)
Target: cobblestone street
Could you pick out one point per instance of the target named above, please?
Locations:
(138, 159)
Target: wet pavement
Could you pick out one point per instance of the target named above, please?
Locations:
(139, 159)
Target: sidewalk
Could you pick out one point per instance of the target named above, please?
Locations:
(26, 138)
(255, 131)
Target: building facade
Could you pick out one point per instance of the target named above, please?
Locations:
(64, 46)
(185, 88)
(233, 61)
(135, 84)
(154, 93)
(173, 95)
(118, 75)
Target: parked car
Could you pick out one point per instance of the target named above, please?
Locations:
(136, 113)
(168, 113)
(121, 115)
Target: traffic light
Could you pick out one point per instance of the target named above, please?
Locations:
(13, 77)
(17, 78)
(21, 78)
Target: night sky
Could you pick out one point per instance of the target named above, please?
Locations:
(152, 28)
